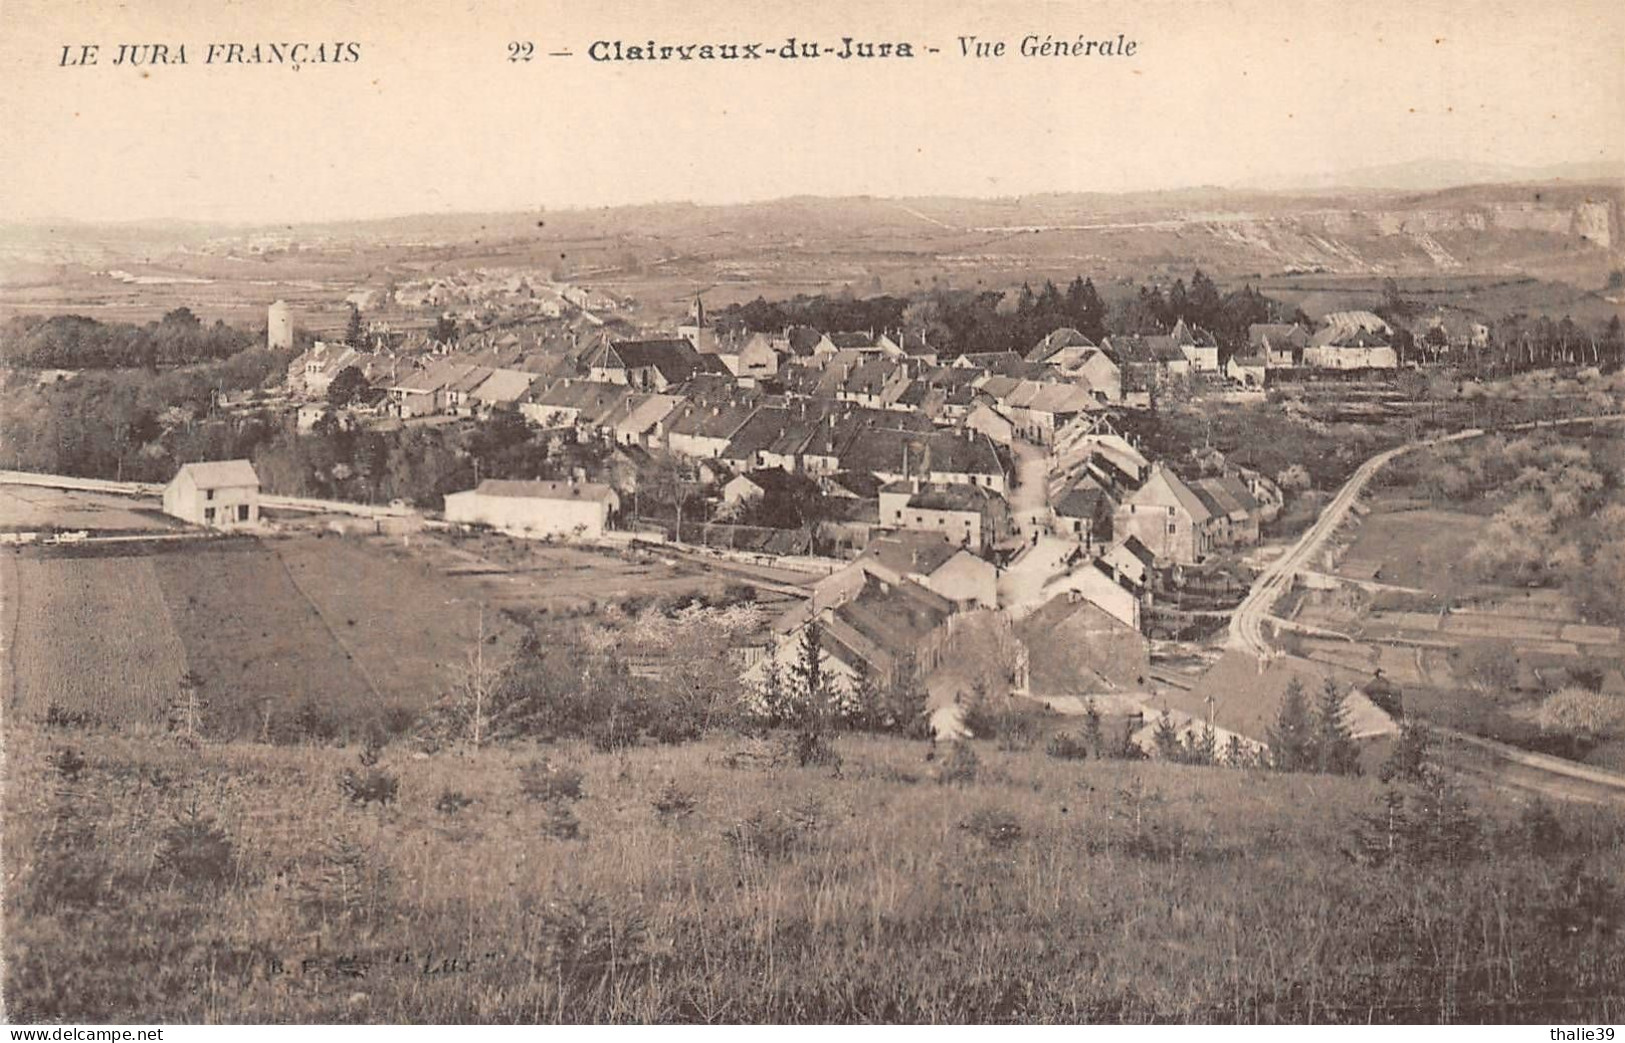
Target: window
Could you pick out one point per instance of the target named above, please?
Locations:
(242, 512)
(208, 494)
(1172, 528)
(208, 515)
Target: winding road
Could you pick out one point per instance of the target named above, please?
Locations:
(1500, 763)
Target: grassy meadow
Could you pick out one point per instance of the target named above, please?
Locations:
(718, 882)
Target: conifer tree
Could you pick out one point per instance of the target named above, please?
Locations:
(1291, 739)
(1166, 737)
(1091, 730)
(812, 687)
(1334, 751)
(355, 334)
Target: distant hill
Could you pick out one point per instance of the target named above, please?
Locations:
(1431, 175)
(1557, 229)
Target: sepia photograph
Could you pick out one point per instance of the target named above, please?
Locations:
(986, 512)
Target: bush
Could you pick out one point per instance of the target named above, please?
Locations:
(1582, 714)
(996, 717)
(195, 851)
(999, 828)
(1067, 747)
(542, 780)
(674, 802)
(587, 942)
(59, 716)
(451, 801)
(812, 748)
(1408, 761)
(560, 822)
(346, 885)
(371, 786)
(1426, 825)
(776, 834)
(960, 767)
(69, 763)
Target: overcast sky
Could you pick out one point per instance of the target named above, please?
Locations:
(434, 118)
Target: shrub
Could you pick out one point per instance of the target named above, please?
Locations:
(776, 834)
(998, 717)
(560, 822)
(587, 942)
(59, 716)
(311, 724)
(960, 767)
(195, 851)
(1425, 825)
(542, 780)
(1408, 761)
(999, 828)
(345, 885)
(674, 802)
(371, 786)
(1067, 747)
(812, 748)
(1582, 714)
(451, 801)
(69, 763)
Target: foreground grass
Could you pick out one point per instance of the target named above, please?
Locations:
(680, 888)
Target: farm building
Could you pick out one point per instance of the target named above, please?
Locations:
(223, 494)
(580, 509)
(1076, 648)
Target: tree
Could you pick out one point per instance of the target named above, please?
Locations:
(1291, 739)
(1203, 303)
(345, 387)
(1085, 309)
(1091, 730)
(1394, 305)
(1166, 736)
(1334, 750)
(355, 331)
(444, 331)
(1408, 761)
(813, 690)
(668, 481)
(1201, 747)
(1581, 714)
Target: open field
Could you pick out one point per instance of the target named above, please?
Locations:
(90, 636)
(1423, 548)
(298, 636)
(259, 647)
(29, 508)
(1041, 890)
(407, 626)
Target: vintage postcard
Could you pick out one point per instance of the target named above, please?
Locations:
(785, 513)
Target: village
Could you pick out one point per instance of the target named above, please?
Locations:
(976, 525)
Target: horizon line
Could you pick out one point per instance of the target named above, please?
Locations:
(1331, 187)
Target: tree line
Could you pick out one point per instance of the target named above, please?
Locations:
(957, 322)
(77, 342)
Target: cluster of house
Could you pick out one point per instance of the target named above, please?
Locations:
(915, 610)
(1347, 341)
(1110, 491)
(482, 295)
